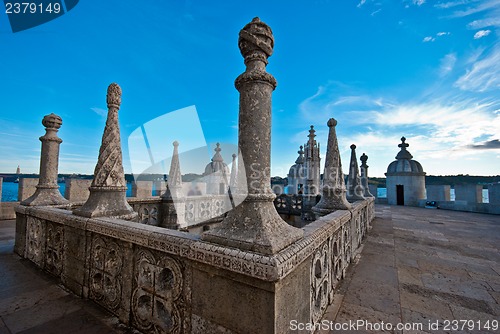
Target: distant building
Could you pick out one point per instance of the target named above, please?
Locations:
(18, 170)
(304, 175)
(217, 174)
(405, 179)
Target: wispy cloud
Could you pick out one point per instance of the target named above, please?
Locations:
(428, 39)
(361, 3)
(376, 12)
(483, 73)
(447, 64)
(442, 33)
(418, 2)
(99, 111)
(481, 34)
(438, 35)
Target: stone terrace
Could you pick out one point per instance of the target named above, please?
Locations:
(417, 265)
(420, 265)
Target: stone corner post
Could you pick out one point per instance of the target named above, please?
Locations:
(255, 225)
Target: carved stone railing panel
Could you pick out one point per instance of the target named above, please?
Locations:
(289, 204)
(35, 240)
(203, 208)
(157, 300)
(122, 266)
(54, 248)
(106, 262)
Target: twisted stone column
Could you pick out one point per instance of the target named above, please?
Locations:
(354, 188)
(47, 190)
(364, 176)
(255, 225)
(333, 197)
(108, 190)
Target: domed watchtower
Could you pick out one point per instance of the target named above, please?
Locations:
(405, 179)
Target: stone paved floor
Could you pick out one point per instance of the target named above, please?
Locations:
(32, 301)
(422, 265)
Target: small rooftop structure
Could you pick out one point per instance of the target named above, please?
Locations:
(405, 178)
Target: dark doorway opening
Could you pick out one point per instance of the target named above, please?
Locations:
(400, 194)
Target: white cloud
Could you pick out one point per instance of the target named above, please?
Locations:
(428, 39)
(442, 33)
(481, 34)
(361, 3)
(447, 64)
(483, 23)
(451, 4)
(483, 73)
(418, 2)
(100, 111)
(376, 12)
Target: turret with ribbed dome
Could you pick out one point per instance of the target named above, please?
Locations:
(405, 178)
(217, 174)
(296, 174)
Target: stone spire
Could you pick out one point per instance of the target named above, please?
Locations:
(354, 189)
(364, 176)
(334, 197)
(255, 225)
(312, 164)
(173, 199)
(108, 189)
(174, 182)
(47, 190)
(233, 182)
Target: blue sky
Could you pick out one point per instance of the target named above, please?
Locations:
(428, 70)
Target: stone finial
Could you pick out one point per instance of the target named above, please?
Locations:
(312, 134)
(52, 121)
(108, 190)
(364, 176)
(254, 225)
(354, 188)
(404, 153)
(47, 190)
(114, 96)
(334, 191)
(174, 175)
(256, 41)
(217, 156)
(173, 199)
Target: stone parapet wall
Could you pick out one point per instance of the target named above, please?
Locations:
(77, 190)
(27, 188)
(466, 206)
(123, 265)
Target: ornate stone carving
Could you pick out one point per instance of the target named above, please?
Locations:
(105, 272)
(35, 240)
(108, 190)
(333, 197)
(157, 301)
(255, 225)
(148, 214)
(54, 248)
(47, 190)
(354, 188)
(320, 281)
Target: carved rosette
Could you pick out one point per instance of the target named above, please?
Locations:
(105, 272)
(54, 248)
(35, 240)
(148, 214)
(157, 301)
(320, 282)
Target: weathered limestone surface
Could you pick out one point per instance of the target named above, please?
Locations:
(47, 190)
(254, 224)
(77, 190)
(438, 193)
(142, 189)
(108, 190)
(26, 188)
(334, 190)
(173, 199)
(364, 177)
(354, 188)
(1, 183)
(471, 193)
